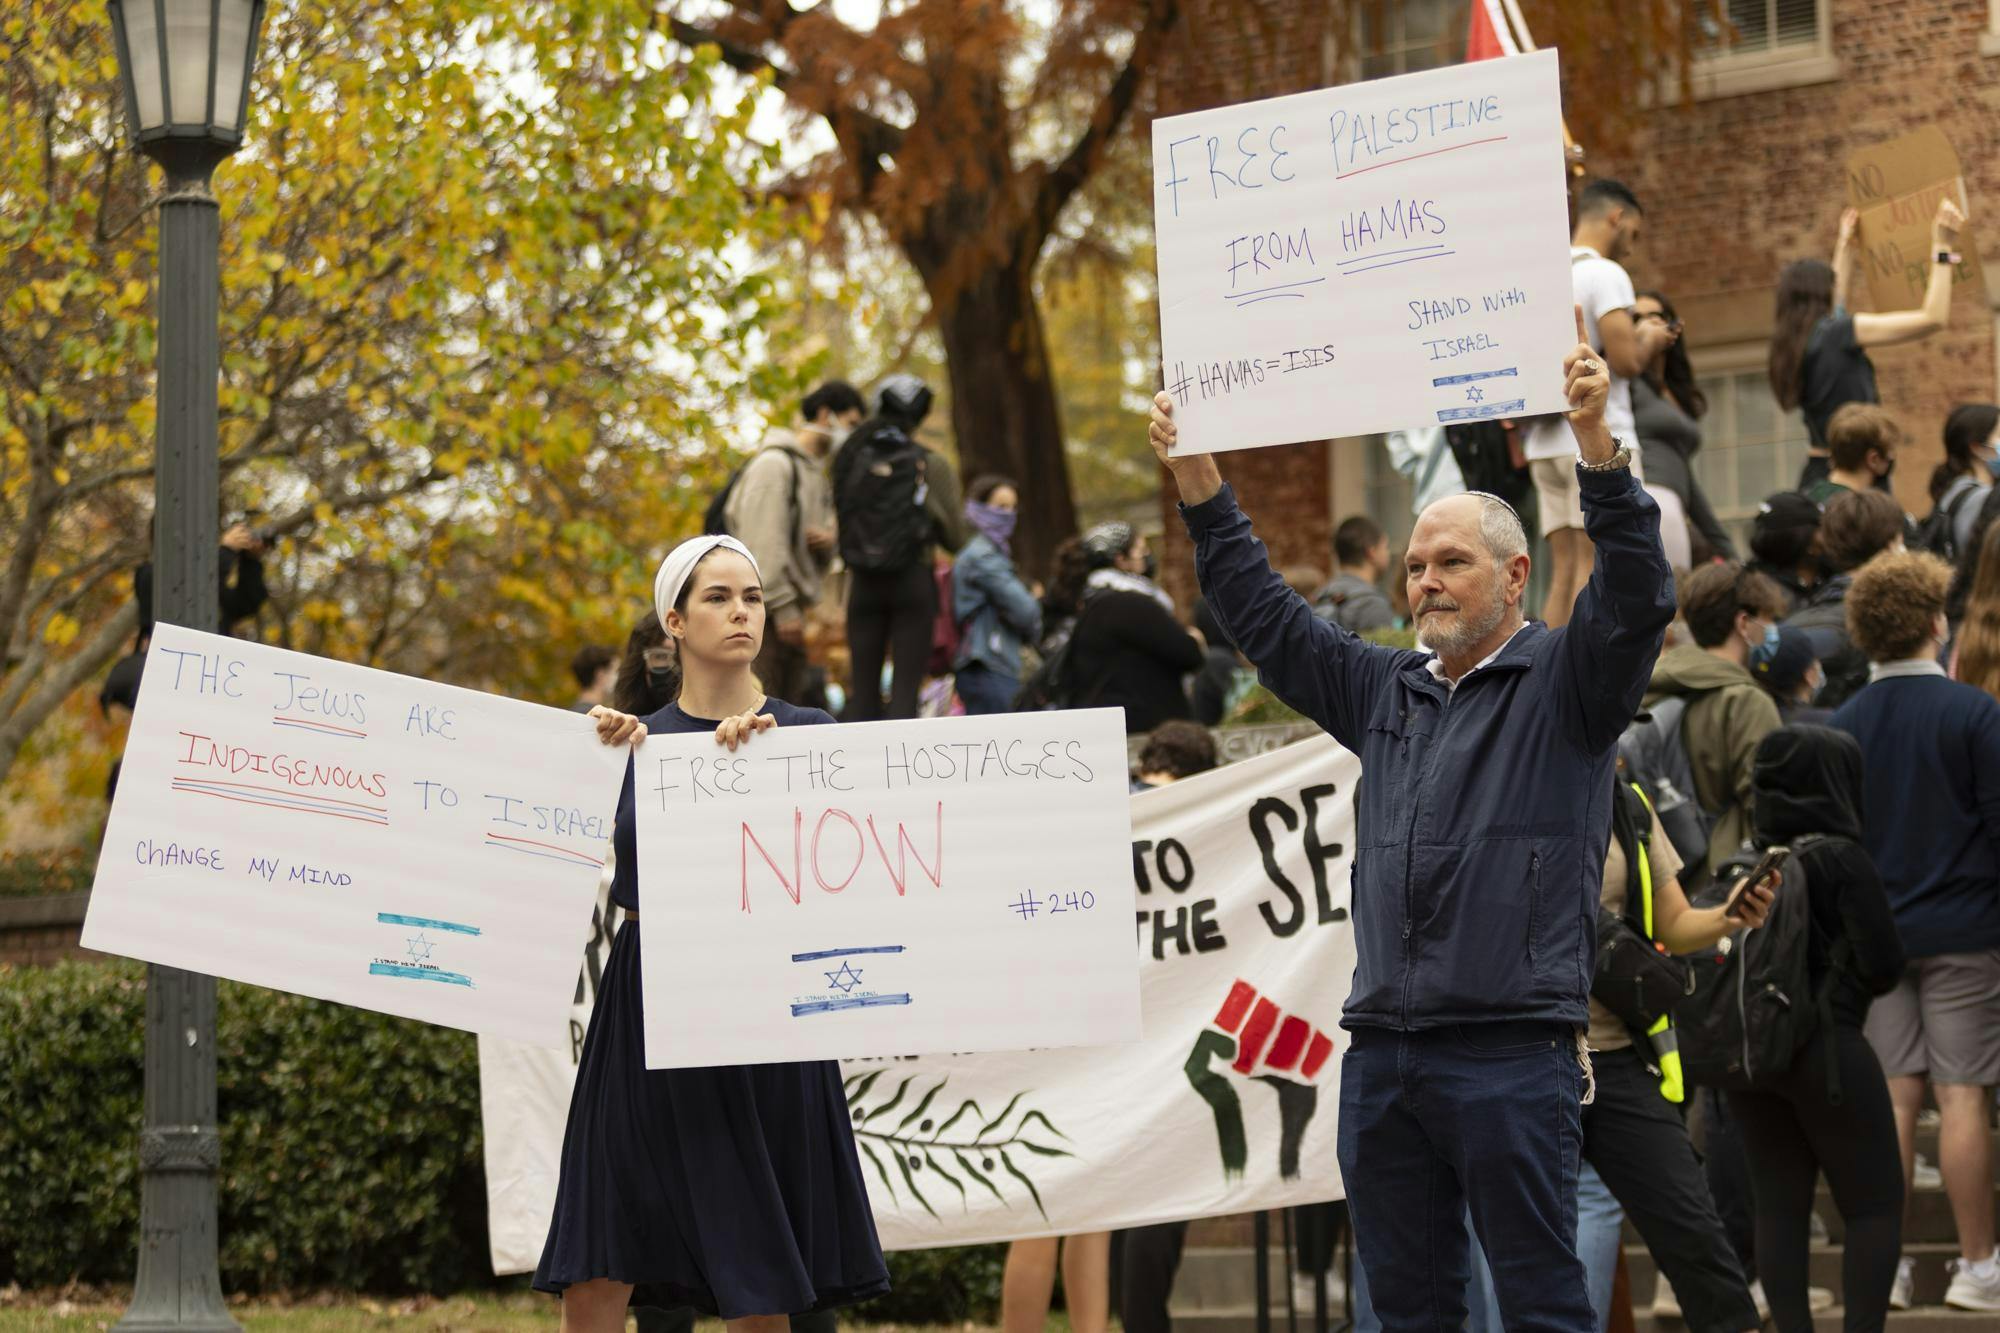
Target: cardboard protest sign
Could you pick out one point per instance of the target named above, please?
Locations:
(1228, 1104)
(1367, 258)
(355, 835)
(1896, 186)
(889, 888)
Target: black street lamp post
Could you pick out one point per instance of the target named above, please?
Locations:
(186, 67)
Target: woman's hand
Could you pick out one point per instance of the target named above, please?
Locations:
(1850, 223)
(1944, 227)
(734, 731)
(615, 728)
(1755, 905)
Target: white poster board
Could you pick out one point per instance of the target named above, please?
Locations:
(355, 835)
(1229, 1104)
(887, 888)
(1367, 258)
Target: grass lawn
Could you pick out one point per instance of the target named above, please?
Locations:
(92, 1311)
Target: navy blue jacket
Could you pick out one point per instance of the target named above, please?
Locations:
(1930, 775)
(1483, 815)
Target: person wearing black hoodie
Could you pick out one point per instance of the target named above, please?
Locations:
(1807, 784)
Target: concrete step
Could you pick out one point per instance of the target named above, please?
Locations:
(1224, 1278)
(1234, 1229)
(1929, 1262)
(1923, 1319)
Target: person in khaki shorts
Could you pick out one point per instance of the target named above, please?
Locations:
(1608, 222)
(1931, 799)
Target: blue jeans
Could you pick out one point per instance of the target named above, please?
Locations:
(1599, 1224)
(983, 690)
(1480, 1117)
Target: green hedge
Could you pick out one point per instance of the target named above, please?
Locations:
(35, 874)
(351, 1149)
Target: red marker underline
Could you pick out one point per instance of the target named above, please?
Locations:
(1470, 143)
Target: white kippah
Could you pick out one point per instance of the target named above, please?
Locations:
(680, 563)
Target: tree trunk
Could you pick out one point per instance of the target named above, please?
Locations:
(1003, 399)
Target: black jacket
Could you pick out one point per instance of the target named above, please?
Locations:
(1127, 651)
(1808, 781)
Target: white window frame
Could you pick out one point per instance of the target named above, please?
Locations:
(1736, 357)
(1989, 41)
(1351, 64)
(1797, 65)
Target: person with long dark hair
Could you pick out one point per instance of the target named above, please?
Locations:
(649, 671)
(1667, 407)
(735, 1189)
(1961, 483)
(1819, 358)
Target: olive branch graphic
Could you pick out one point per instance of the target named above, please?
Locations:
(918, 1143)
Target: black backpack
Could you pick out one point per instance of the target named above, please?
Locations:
(1938, 533)
(1752, 1006)
(715, 518)
(879, 501)
(1049, 686)
(1638, 982)
(1486, 460)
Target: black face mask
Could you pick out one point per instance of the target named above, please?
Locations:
(1152, 566)
(661, 681)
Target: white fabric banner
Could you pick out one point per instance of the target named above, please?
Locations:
(1226, 1105)
(1366, 258)
(355, 835)
(947, 884)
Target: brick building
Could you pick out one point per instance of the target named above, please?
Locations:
(1746, 176)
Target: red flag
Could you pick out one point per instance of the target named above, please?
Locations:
(1489, 37)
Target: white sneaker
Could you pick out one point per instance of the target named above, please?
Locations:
(1820, 1236)
(1819, 1299)
(1926, 1176)
(1902, 1294)
(1975, 1286)
(1665, 1304)
(1757, 1299)
(1302, 1292)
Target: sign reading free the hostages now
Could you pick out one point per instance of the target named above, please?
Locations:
(887, 888)
(1367, 258)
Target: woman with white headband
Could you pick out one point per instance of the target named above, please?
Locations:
(734, 1189)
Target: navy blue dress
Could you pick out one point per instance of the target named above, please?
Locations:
(733, 1189)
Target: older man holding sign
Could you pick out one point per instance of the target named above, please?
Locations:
(1483, 817)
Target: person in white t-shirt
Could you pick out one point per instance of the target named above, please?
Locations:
(1608, 221)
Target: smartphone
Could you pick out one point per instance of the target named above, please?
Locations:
(1773, 858)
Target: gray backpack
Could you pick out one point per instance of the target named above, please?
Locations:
(1654, 750)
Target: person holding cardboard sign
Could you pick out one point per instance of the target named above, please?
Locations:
(1480, 830)
(1819, 358)
(735, 1189)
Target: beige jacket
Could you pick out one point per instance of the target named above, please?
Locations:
(763, 514)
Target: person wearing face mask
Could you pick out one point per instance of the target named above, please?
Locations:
(995, 611)
(1127, 650)
(1930, 749)
(1861, 450)
(1731, 613)
(649, 673)
(1962, 482)
(1790, 673)
(781, 507)
(735, 1189)
(1856, 527)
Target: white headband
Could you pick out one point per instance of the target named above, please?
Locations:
(680, 563)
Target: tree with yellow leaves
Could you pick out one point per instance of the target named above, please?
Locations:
(490, 310)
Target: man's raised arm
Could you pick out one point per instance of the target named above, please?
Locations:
(1320, 669)
(1614, 635)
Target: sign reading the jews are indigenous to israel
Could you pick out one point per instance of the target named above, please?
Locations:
(355, 835)
(1227, 1105)
(1366, 258)
(886, 888)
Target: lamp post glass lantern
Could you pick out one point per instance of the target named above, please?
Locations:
(186, 67)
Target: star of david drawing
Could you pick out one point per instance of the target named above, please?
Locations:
(1473, 395)
(420, 947)
(845, 980)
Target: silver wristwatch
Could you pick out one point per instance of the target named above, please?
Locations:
(1621, 457)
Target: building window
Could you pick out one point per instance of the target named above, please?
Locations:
(1750, 447)
(1401, 36)
(1750, 27)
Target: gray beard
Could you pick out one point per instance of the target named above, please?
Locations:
(1465, 634)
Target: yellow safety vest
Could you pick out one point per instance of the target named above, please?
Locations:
(1665, 1041)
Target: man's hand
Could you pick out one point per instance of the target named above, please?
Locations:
(240, 538)
(790, 629)
(819, 540)
(1587, 382)
(1944, 227)
(1755, 904)
(1196, 475)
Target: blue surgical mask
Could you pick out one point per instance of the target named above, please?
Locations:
(1766, 650)
(1993, 466)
